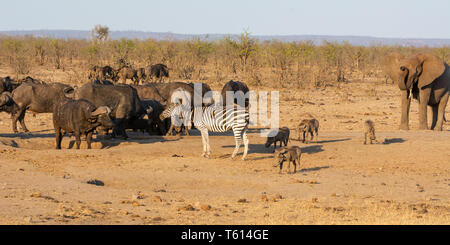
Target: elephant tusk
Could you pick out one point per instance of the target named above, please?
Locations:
(410, 93)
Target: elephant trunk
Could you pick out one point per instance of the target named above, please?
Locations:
(410, 80)
(406, 102)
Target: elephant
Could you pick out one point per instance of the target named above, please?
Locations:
(426, 78)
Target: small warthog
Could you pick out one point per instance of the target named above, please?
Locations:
(282, 137)
(308, 126)
(369, 130)
(291, 154)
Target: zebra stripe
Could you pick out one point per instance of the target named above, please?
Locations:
(216, 118)
(179, 115)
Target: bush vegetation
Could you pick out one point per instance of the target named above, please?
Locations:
(268, 63)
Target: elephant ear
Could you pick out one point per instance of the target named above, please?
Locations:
(391, 64)
(431, 68)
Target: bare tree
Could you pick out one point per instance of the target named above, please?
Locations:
(100, 33)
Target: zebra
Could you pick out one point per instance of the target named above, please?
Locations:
(180, 115)
(216, 118)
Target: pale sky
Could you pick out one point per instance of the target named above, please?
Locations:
(381, 18)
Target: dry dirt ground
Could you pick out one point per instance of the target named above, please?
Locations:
(405, 179)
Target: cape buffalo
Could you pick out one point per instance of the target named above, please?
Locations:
(235, 86)
(122, 99)
(101, 72)
(38, 98)
(7, 85)
(158, 71)
(149, 92)
(79, 117)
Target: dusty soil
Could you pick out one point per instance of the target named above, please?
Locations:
(405, 179)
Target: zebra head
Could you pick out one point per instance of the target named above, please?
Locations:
(168, 111)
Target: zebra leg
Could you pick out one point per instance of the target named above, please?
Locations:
(244, 136)
(170, 132)
(205, 140)
(238, 139)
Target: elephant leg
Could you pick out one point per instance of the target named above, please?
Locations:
(441, 111)
(435, 115)
(406, 102)
(423, 106)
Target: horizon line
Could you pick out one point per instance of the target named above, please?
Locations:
(233, 34)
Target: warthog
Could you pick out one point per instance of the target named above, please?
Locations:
(291, 154)
(282, 137)
(369, 131)
(308, 126)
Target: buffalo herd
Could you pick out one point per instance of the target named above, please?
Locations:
(101, 106)
(155, 72)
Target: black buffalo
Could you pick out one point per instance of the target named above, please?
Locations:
(122, 99)
(101, 73)
(149, 92)
(158, 71)
(37, 97)
(7, 103)
(79, 117)
(7, 84)
(153, 118)
(235, 86)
